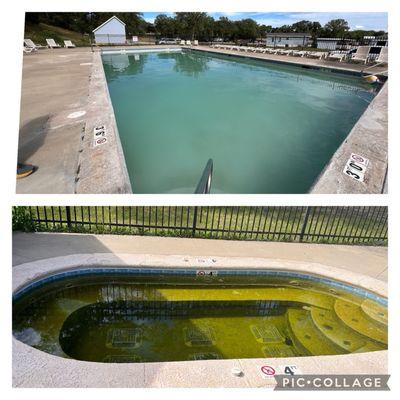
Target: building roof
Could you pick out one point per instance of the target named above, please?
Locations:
(290, 34)
(106, 22)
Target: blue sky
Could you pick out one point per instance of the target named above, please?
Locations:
(356, 20)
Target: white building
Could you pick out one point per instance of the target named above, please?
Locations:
(110, 32)
(290, 39)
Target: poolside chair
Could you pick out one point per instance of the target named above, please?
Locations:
(51, 44)
(29, 43)
(285, 52)
(361, 54)
(182, 42)
(336, 55)
(383, 56)
(195, 42)
(68, 43)
(188, 43)
(299, 53)
(29, 50)
(317, 54)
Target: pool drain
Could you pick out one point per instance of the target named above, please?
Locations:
(267, 334)
(122, 338)
(279, 351)
(199, 336)
(204, 356)
(116, 358)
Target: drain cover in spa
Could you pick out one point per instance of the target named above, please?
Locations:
(121, 359)
(204, 356)
(199, 336)
(267, 333)
(279, 350)
(124, 338)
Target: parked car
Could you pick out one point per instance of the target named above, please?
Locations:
(168, 41)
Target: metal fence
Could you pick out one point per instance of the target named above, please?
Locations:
(347, 225)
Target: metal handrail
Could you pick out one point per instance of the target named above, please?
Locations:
(204, 185)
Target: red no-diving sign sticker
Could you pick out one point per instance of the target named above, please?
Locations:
(268, 370)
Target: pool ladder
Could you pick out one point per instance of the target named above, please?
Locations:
(204, 185)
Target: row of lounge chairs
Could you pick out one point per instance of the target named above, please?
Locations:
(189, 43)
(30, 46)
(270, 50)
(362, 53)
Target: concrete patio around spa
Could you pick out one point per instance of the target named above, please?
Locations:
(38, 254)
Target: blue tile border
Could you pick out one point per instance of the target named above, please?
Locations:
(192, 272)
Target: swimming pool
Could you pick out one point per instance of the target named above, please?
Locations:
(147, 315)
(268, 127)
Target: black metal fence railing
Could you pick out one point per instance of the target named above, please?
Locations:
(347, 225)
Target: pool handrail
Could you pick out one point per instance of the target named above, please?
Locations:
(204, 185)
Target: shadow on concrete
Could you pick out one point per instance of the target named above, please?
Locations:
(32, 136)
(28, 247)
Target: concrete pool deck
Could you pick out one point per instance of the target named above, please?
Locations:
(35, 255)
(65, 95)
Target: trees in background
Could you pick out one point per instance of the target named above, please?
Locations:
(194, 25)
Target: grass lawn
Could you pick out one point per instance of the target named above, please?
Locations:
(40, 32)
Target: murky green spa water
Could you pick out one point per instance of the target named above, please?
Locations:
(120, 318)
(269, 128)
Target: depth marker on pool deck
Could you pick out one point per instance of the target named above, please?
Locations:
(356, 167)
(99, 134)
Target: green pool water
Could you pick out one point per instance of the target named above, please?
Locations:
(268, 128)
(118, 318)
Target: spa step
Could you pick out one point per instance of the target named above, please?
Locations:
(339, 333)
(308, 335)
(357, 319)
(375, 312)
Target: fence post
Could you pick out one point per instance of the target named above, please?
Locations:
(68, 210)
(194, 221)
(305, 221)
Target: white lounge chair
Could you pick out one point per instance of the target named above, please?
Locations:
(188, 43)
(52, 44)
(317, 54)
(299, 53)
(285, 52)
(182, 42)
(195, 42)
(362, 54)
(29, 44)
(383, 56)
(29, 50)
(68, 43)
(336, 55)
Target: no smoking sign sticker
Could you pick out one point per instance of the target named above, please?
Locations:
(268, 371)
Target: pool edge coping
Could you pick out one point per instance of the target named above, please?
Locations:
(102, 169)
(25, 273)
